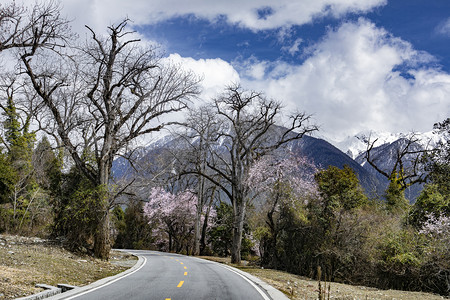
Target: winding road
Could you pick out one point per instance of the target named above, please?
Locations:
(164, 276)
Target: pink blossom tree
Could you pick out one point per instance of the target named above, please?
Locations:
(174, 216)
(283, 186)
(437, 268)
(438, 227)
(291, 170)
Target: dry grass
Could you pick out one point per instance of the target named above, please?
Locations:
(24, 262)
(300, 288)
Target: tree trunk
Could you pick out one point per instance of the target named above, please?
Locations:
(197, 225)
(238, 228)
(200, 203)
(204, 228)
(102, 244)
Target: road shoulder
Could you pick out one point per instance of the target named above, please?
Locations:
(269, 290)
(102, 282)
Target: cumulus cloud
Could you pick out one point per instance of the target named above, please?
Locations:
(215, 73)
(256, 15)
(351, 82)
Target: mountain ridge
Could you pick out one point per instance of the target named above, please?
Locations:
(318, 150)
(354, 145)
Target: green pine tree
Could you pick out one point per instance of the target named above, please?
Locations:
(395, 193)
(18, 139)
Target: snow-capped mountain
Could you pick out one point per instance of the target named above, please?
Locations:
(384, 152)
(350, 151)
(322, 153)
(355, 145)
(385, 157)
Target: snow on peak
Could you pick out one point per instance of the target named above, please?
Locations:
(357, 144)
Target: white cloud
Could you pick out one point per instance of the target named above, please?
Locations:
(444, 28)
(216, 73)
(257, 71)
(285, 33)
(349, 82)
(101, 13)
(294, 48)
(252, 68)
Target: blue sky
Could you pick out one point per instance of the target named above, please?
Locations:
(356, 65)
(190, 36)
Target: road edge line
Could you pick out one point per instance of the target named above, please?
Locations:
(257, 287)
(265, 289)
(101, 282)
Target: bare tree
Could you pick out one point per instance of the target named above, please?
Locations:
(40, 26)
(442, 152)
(102, 97)
(21, 27)
(247, 131)
(407, 168)
(202, 129)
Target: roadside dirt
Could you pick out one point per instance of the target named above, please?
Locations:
(300, 288)
(25, 262)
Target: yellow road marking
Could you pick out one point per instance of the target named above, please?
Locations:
(185, 268)
(181, 263)
(167, 298)
(180, 284)
(176, 259)
(185, 273)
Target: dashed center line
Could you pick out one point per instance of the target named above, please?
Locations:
(180, 284)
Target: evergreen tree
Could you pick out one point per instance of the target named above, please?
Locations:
(431, 202)
(340, 190)
(435, 197)
(440, 159)
(7, 178)
(19, 186)
(395, 194)
(133, 229)
(77, 209)
(221, 233)
(18, 139)
(47, 166)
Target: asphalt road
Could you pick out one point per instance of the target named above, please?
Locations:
(170, 276)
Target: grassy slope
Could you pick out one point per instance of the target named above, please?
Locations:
(25, 262)
(298, 287)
